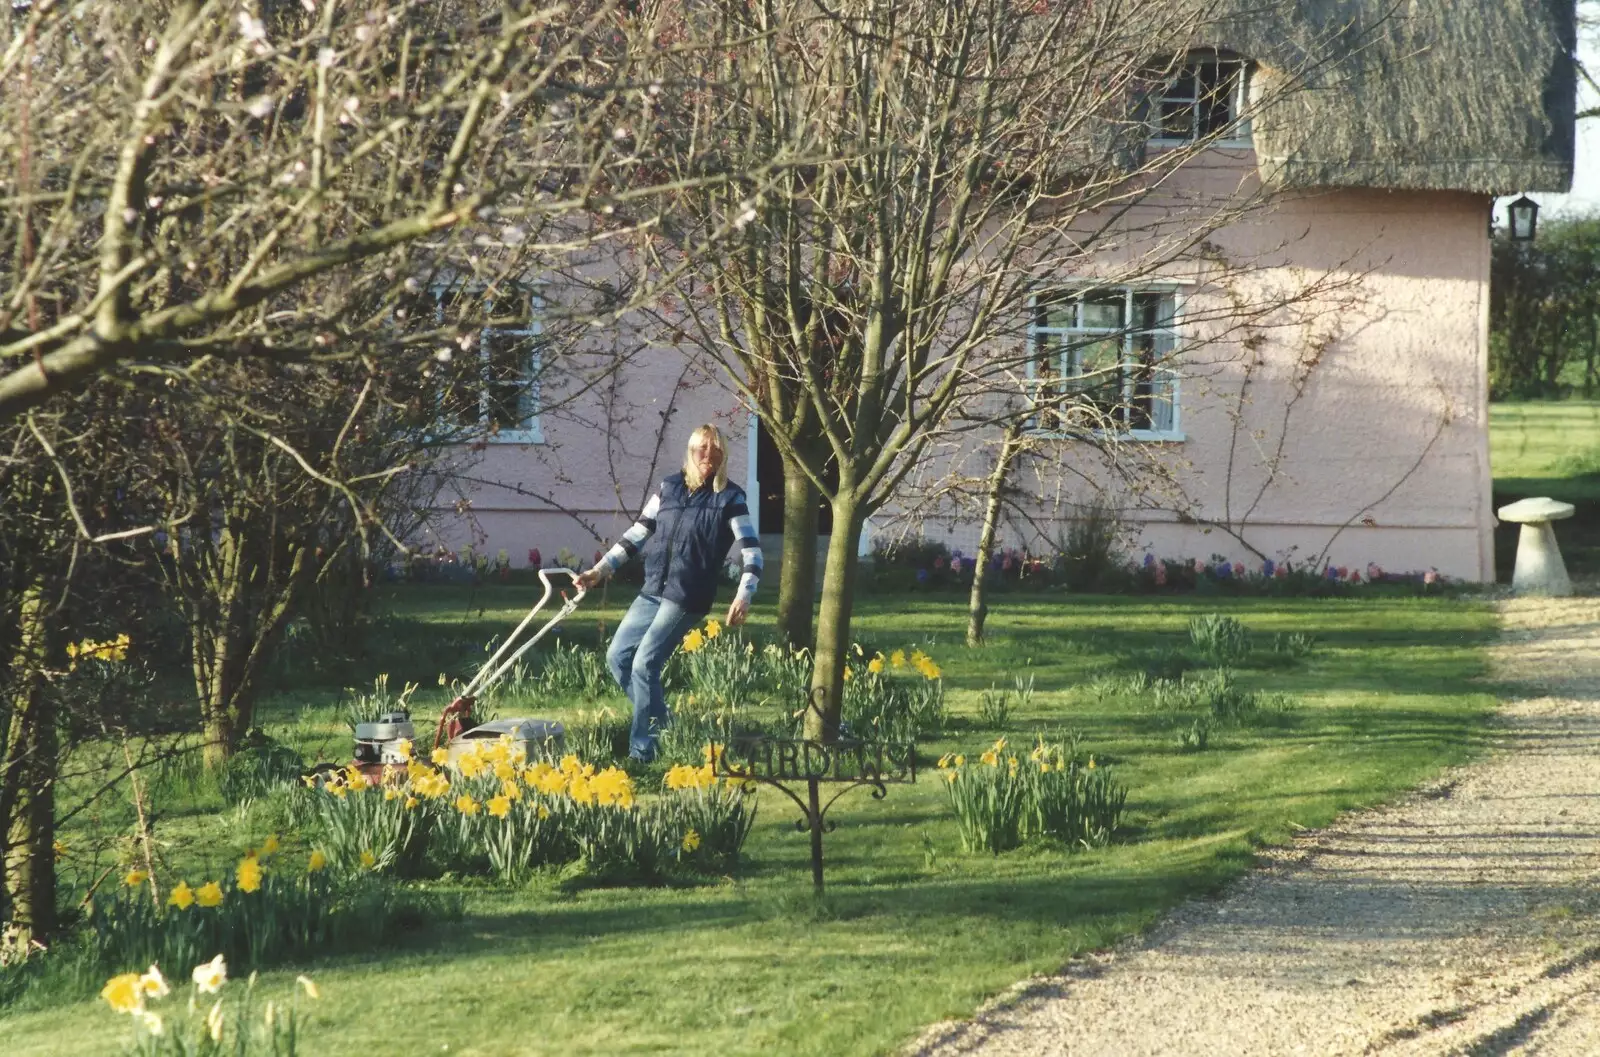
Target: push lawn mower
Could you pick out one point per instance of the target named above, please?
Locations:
(378, 744)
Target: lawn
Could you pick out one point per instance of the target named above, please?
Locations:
(911, 930)
(1549, 448)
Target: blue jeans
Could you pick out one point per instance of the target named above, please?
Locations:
(649, 632)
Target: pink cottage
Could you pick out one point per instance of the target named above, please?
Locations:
(1358, 438)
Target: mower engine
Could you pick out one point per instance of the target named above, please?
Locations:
(377, 744)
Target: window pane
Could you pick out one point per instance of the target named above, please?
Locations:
(1217, 107)
(1152, 311)
(1049, 387)
(1185, 86)
(511, 362)
(1103, 311)
(459, 387)
(1058, 315)
(1097, 385)
(1177, 120)
(1152, 378)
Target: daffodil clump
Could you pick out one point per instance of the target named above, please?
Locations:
(268, 906)
(1002, 798)
(89, 650)
(207, 1026)
(715, 811)
(897, 696)
(715, 668)
(488, 809)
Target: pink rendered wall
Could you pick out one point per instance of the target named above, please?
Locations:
(1383, 457)
(603, 450)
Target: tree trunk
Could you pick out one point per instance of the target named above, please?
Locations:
(29, 780)
(797, 588)
(977, 604)
(833, 622)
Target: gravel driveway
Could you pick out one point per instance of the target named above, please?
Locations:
(1460, 921)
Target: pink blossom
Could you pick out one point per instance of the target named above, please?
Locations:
(534, 559)
(938, 562)
(1199, 566)
(1161, 573)
(1431, 576)
(1355, 576)
(1374, 571)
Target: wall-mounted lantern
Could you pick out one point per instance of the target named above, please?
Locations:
(1523, 214)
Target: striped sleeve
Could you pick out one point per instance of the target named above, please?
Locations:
(633, 539)
(744, 534)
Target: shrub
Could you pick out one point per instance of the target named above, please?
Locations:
(1221, 640)
(1089, 554)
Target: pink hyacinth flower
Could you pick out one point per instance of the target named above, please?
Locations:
(1431, 576)
(533, 557)
(1161, 573)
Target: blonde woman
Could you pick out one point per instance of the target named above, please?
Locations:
(684, 533)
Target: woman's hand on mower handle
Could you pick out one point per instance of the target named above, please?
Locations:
(589, 578)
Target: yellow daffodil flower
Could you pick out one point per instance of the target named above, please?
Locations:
(270, 846)
(691, 841)
(318, 861)
(209, 895)
(123, 993)
(713, 629)
(440, 757)
(135, 877)
(369, 861)
(248, 874)
(466, 805)
(181, 896)
(499, 806)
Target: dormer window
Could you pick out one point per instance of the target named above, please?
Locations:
(1204, 100)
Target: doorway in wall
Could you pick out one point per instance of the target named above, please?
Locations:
(769, 486)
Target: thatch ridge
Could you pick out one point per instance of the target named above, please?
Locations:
(1412, 94)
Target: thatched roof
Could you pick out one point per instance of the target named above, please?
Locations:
(1461, 95)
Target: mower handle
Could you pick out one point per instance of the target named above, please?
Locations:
(488, 675)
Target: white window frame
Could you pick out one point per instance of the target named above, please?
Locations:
(1238, 133)
(532, 430)
(1040, 337)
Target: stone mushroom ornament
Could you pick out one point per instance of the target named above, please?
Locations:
(1539, 569)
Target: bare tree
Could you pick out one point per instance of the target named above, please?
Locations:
(193, 178)
(983, 151)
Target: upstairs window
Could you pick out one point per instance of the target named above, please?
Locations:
(1205, 99)
(1102, 362)
(489, 388)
